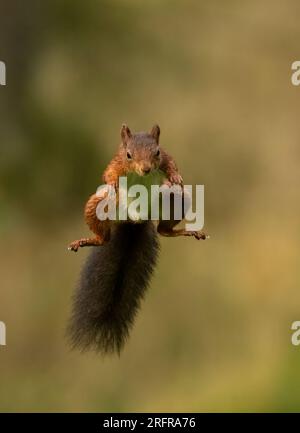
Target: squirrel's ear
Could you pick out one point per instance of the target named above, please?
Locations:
(155, 132)
(125, 134)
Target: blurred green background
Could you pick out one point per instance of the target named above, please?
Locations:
(214, 331)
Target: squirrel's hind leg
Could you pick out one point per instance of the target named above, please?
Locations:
(100, 228)
(166, 228)
(85, 242)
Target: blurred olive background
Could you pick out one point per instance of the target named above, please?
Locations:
(214, 332)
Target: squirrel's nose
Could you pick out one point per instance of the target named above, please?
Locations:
(146, 170)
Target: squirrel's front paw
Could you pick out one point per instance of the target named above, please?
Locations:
(175, 179)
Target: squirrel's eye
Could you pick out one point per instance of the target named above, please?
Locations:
(128, 155)
(158, 153)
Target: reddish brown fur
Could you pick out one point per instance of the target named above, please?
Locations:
(141, 153)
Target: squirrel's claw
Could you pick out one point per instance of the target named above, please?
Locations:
(200, 235)
(74, 246)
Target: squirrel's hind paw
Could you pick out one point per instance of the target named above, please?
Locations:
(200, 235)
(74, 246)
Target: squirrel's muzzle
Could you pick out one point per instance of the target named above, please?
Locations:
(143, 169)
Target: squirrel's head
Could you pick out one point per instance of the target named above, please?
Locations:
(141, 150)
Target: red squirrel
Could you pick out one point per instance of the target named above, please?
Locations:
(116, 275)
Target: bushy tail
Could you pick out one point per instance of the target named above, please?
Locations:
(112, 284)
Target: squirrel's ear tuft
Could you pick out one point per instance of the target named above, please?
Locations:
(155, 132)
(125, 134)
